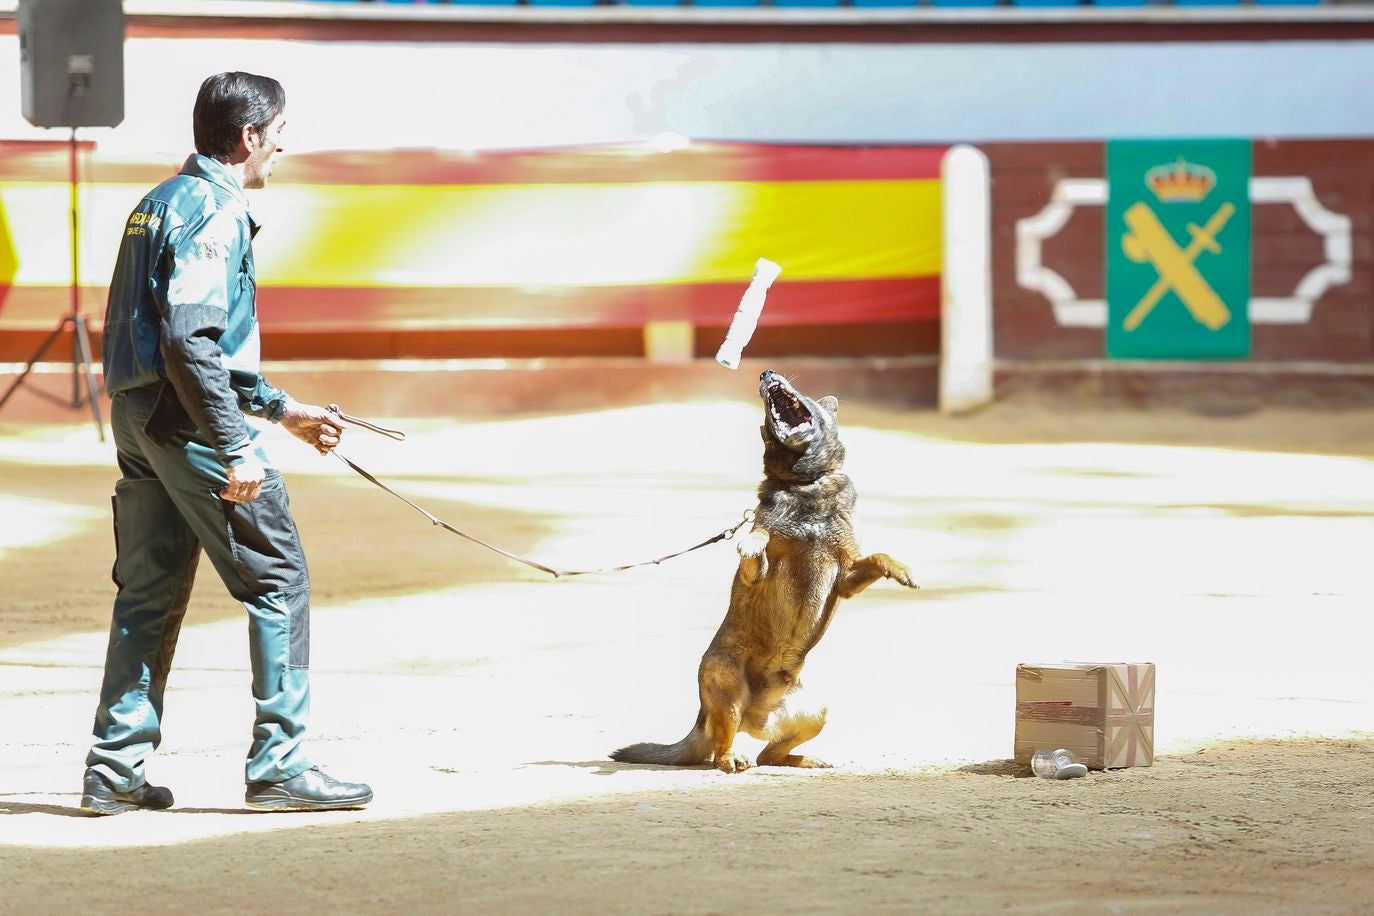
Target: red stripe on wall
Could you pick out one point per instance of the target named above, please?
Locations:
(893, 338)
(833, 302)
(799, 302)
(821, 302)
(48, 161)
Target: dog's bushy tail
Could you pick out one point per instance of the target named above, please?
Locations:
(691, 750)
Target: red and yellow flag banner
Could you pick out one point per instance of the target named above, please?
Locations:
(605, 236)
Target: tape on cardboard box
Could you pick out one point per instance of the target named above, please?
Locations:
(1104, 713)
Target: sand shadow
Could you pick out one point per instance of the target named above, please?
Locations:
(8, 807)
(611, 767)
(37, 808)
(176, 810)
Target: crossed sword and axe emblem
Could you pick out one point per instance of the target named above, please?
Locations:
(1149, 241)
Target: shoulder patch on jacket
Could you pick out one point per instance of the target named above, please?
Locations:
(212, 240)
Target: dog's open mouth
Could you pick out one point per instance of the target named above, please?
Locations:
(789, 415)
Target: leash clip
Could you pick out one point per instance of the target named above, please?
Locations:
(748, 517)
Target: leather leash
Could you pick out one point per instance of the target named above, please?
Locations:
(354, 421)
(440, 523)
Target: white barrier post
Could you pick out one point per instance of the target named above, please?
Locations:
(966, 288)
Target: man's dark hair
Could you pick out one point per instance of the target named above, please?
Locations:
(226, 103)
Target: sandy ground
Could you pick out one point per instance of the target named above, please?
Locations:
(480, 697)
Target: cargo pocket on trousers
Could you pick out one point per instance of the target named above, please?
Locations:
(267, 555)
(263, 540)
(152, 542)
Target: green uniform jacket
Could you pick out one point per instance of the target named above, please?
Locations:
(182, 306)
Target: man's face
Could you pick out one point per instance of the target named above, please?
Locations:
(263, 150)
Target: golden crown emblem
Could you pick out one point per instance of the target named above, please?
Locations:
(1180, 181)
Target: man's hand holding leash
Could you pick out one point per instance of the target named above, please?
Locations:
(316, 426)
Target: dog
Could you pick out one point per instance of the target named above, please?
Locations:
(795, 564)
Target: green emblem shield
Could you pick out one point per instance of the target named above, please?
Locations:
(1178, 249)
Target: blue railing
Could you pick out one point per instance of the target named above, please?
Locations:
(716, 4)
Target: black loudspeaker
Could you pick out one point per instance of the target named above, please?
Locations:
(71, 59)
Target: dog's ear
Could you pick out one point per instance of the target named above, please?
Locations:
(830, 403)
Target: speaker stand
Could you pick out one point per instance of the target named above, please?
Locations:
(82, 363)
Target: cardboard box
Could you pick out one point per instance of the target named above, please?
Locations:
(1104, 713)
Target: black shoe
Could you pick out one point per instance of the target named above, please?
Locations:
(99, 797)
(312, 790)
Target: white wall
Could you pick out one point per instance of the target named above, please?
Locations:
(347, 95)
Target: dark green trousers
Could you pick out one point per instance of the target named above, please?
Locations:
(167, 510)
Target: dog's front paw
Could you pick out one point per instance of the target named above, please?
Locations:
(753, 556)
(753, 544)
(898, 572)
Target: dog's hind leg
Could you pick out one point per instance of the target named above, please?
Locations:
(723, 695)
(792, 723)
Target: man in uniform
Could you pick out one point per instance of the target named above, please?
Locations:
(181, 357)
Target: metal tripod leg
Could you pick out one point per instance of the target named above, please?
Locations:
(37, 355)
(81, 360)
(81, 343)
